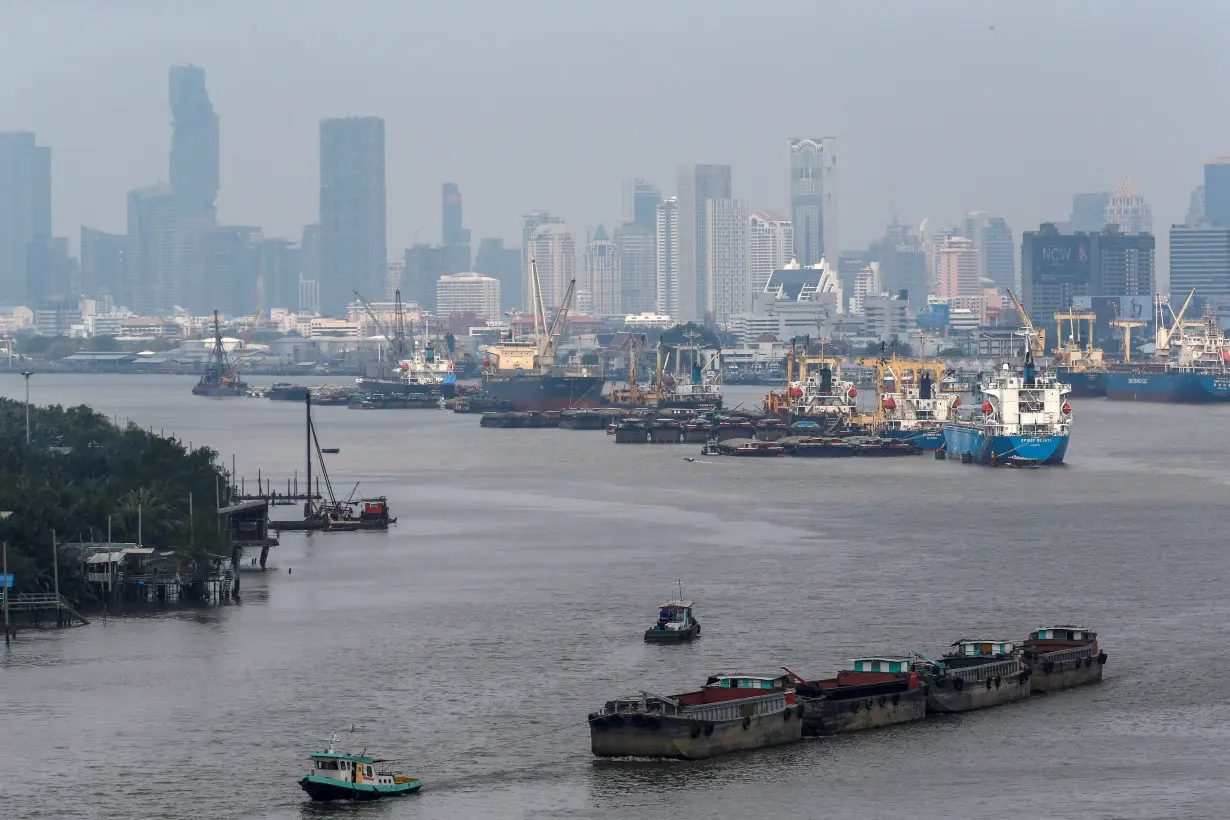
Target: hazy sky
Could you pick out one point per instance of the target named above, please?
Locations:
(939, 107)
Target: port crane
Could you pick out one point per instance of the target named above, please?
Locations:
(395, 335)
(549, 341)
(1164, 335)
(1127, 325)
(1035, 337)
(1068, 350)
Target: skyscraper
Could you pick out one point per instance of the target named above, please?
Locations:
(641, 200)
(813, 199)
(728, 285)
(554, 249)
(456, 238)
(601, 276)
(194, 140)
(424, 266)
(1125, 263)
(504, 265)
(1088, 212)
(958, 269)
(530, 223)
(102, 263)
(309, 269)
(155, 257)
(1128, 209)
(637, 271)
(354, 254)
(1200, 260)
(697, 185)
(1217, 191)
(770, 247)
(25, 209)
(666, 258)
(903, 261)
(992, 238)
(1056, 269)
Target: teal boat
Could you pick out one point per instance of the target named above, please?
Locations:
(341, 776)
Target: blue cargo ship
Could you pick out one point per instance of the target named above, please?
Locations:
(1085, 384)
(1022, 417)
(1181, 386)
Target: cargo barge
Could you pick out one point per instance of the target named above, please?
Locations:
(1060, 657)
(975, 674)
(874, 692)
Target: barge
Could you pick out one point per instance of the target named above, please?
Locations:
(975, 674)
(730, 713)
(875, 692)
(1060, 657)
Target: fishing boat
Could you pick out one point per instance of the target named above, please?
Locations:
(730, 713)
(221, 376)
(874, 692)
(1060, 657)
(1023, 415)
(975, 674)
(675, 624)
(338, 775)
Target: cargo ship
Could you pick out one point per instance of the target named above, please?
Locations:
(523, 372)
(817, 393)
(912, 405)
(1060, 657)
(221, 376)
(1023, 417)
(701, 391)
(1199, 372)
(730, 713)
(874, 692)
(975, 674)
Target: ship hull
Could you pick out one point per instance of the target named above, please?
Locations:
(825, 716)
(220, 390)
(928, 438)
(1044, 449)
(325, 790)
(390, 387)
(1085, 384)
(687, 739)
(1178, 387)
(944, 698)
(547, 392)
(1064, 674)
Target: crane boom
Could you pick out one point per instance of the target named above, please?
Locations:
(559, 322)
(1036, 337)
(1166, 334)
(247, 337)
(384, 329)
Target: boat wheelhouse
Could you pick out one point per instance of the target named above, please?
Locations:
(676, 624)
(338, 775)
(1060, 657)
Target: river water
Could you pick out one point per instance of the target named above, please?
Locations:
(510, 599)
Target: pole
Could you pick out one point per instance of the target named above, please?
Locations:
(307, 505)
(191, 523)
(4, 571)
(140, 539)
(27, 374)
(55, 568)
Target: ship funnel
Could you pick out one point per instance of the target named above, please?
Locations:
(924, 386)
(1030, 370)
(826, 379)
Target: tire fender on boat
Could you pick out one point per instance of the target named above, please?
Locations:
(747, 723)
(989, 682)
(896, 699)
(708, 729)
(1102, 658)
(696, 730)
(1048, 667)
(958, 684)
(854, 707)
(869, 703)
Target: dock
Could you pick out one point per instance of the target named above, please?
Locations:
(38, 604)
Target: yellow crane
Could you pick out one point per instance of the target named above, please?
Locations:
(1036, 336)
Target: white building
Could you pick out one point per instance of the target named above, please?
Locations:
(771, 246)
(530, 223)
(466, 293)
(866, 283)
(1127, 209)
(797, 301)
(601, 276)
(554, 249)
(886, 317)
(727, 281)
(667, 261)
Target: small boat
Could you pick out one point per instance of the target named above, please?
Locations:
(975, 674)
(1022, 463)
(1061, 657)
(330, 450)
(340, 776)
(675, 624)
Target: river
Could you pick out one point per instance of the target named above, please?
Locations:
(510, 599)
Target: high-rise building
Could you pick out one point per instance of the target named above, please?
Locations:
(230, 267)
(504, 265)
(637, 271)
(697, 185)
(601, 275)
(25, 209)
(468, 293)
(49, 270)
(770, 247)
(1056, 270)
(156, 255)
(277, 284)
(728, 286)
(530, 223)
(353, 250)
(903, 261)
(102, 263)
(554, 249)
(1195, 207)
(425, 264)
(813, 199)
(456, 237)
(1200, 260)
(666, 258)
(933, 239)
(641, 200)
(1217, 191)
(958, 269)
(1128, 209)
(992, 238)
(1125, 263)
(1088, 212)
(309, 269)
(195, 154)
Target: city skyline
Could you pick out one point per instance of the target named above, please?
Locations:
(1016, 163)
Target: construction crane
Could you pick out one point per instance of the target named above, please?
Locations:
(1036, 337)
(1164, 335)
(246, 338)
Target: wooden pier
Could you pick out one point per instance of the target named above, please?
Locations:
(38, 604)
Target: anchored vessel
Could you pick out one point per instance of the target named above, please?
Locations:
(875, 692)
(730, 713)
(1023, 416)
(675, 624)
(1061, 657)
(974, 675)
(914, 409)
(221, 376)
(340, 776)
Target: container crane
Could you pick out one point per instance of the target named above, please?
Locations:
(1036, 337)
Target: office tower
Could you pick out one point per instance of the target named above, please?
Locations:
(1056, 270)
(903, 261)
(728, 285)
(641, 200)
(194, 140)
(353, 252)
(229, 263)
(468, 293)
(530, 223)
(1088, 212)
(697, 185)
(48, 270)
(309, 269)
(864, 284)
(425, 264)
(666, 258)
(638, 276)
(601, 275)
(456, 238)
(278, 279)
(156, 254)
(1195, 207)
(102, 263)
(554, 248)
(504, 265)
(813, 199)
(933, 239)
(25, 209)
(992, 238)
(1217, 191)
(1200, 260)
(770, 247)
(959, 262)
(1128, 209)
(1125, 263)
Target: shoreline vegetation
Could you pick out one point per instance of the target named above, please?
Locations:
(90, 482)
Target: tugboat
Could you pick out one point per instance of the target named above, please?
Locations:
(875, 692)
(975, 675)
(1061, 657)
(221, 376)
(675, 624)
(730, 713)
(340, 776)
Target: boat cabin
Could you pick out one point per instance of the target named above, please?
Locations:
(966, 648)
(375, 510)
(720, 688)
(674, 616)
(352, 769)
(881, 665)
(874, 670)
(1060, 637)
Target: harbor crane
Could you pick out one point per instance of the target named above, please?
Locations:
(549, 341)
(394, 334)
(1127, 325)
(1036, 337)
(1164, 335)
